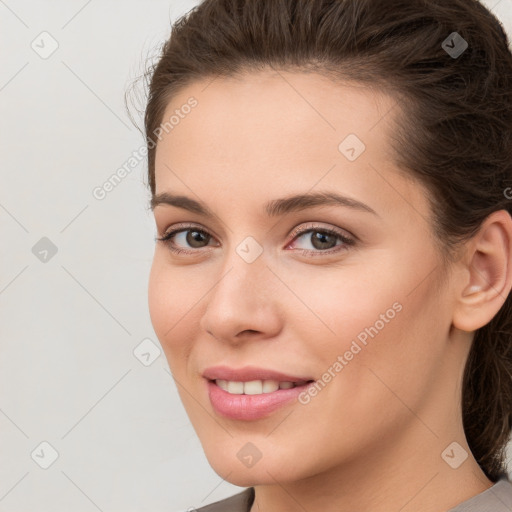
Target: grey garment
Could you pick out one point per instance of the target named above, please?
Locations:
(497, 498)
(240, 502)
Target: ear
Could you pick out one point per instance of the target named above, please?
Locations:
(487, 273)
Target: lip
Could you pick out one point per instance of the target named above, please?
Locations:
(248, 373)
(251, 407)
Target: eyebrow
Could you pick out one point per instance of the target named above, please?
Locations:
(273, 208)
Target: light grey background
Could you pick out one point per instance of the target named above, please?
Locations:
(69, 324)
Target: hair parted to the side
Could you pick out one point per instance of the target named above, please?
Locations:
(453, 125)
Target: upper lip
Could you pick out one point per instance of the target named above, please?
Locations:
(248, 373)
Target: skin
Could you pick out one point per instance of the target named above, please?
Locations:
(372, 439)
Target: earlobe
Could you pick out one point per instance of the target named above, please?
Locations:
(488, 273)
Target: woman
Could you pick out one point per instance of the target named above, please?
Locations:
(330, 182)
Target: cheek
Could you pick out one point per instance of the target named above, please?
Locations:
(379, 320)
(172, 301)
(341, 304)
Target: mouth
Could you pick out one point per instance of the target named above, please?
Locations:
(256, 387)
(253, 400)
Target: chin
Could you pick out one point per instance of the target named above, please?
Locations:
(266, 470)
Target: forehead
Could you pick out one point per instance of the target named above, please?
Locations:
(281, 131)
(239, 114)
(278, 113)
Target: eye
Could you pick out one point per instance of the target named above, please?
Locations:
(177, 240)
(317, 240)
(321, 240)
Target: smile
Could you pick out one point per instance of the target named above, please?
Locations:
(255, 387)
(252, 400)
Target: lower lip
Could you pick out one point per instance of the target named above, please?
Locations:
(251, 407)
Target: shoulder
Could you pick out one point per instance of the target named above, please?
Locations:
(240, 502)
(497, 498)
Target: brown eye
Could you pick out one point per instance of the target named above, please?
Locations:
(322, 240)
(317, 241)
(195, 238)
(186, 240)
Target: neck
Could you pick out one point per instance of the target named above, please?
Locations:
(406, 474)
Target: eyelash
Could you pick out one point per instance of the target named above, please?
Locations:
(347, 242)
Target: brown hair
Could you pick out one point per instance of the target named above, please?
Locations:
(453, 132)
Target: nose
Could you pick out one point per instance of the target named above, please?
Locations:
(244, 302)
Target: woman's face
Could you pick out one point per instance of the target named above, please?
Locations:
(361, 311)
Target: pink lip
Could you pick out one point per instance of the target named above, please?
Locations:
(250, 407)
(249, 373)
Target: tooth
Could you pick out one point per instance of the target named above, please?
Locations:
(270, 385)
(237, 388)
(223, 384)
(253, 387)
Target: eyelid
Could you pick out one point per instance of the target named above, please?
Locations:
(183, 226)
(314, 226)
(297, 230)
